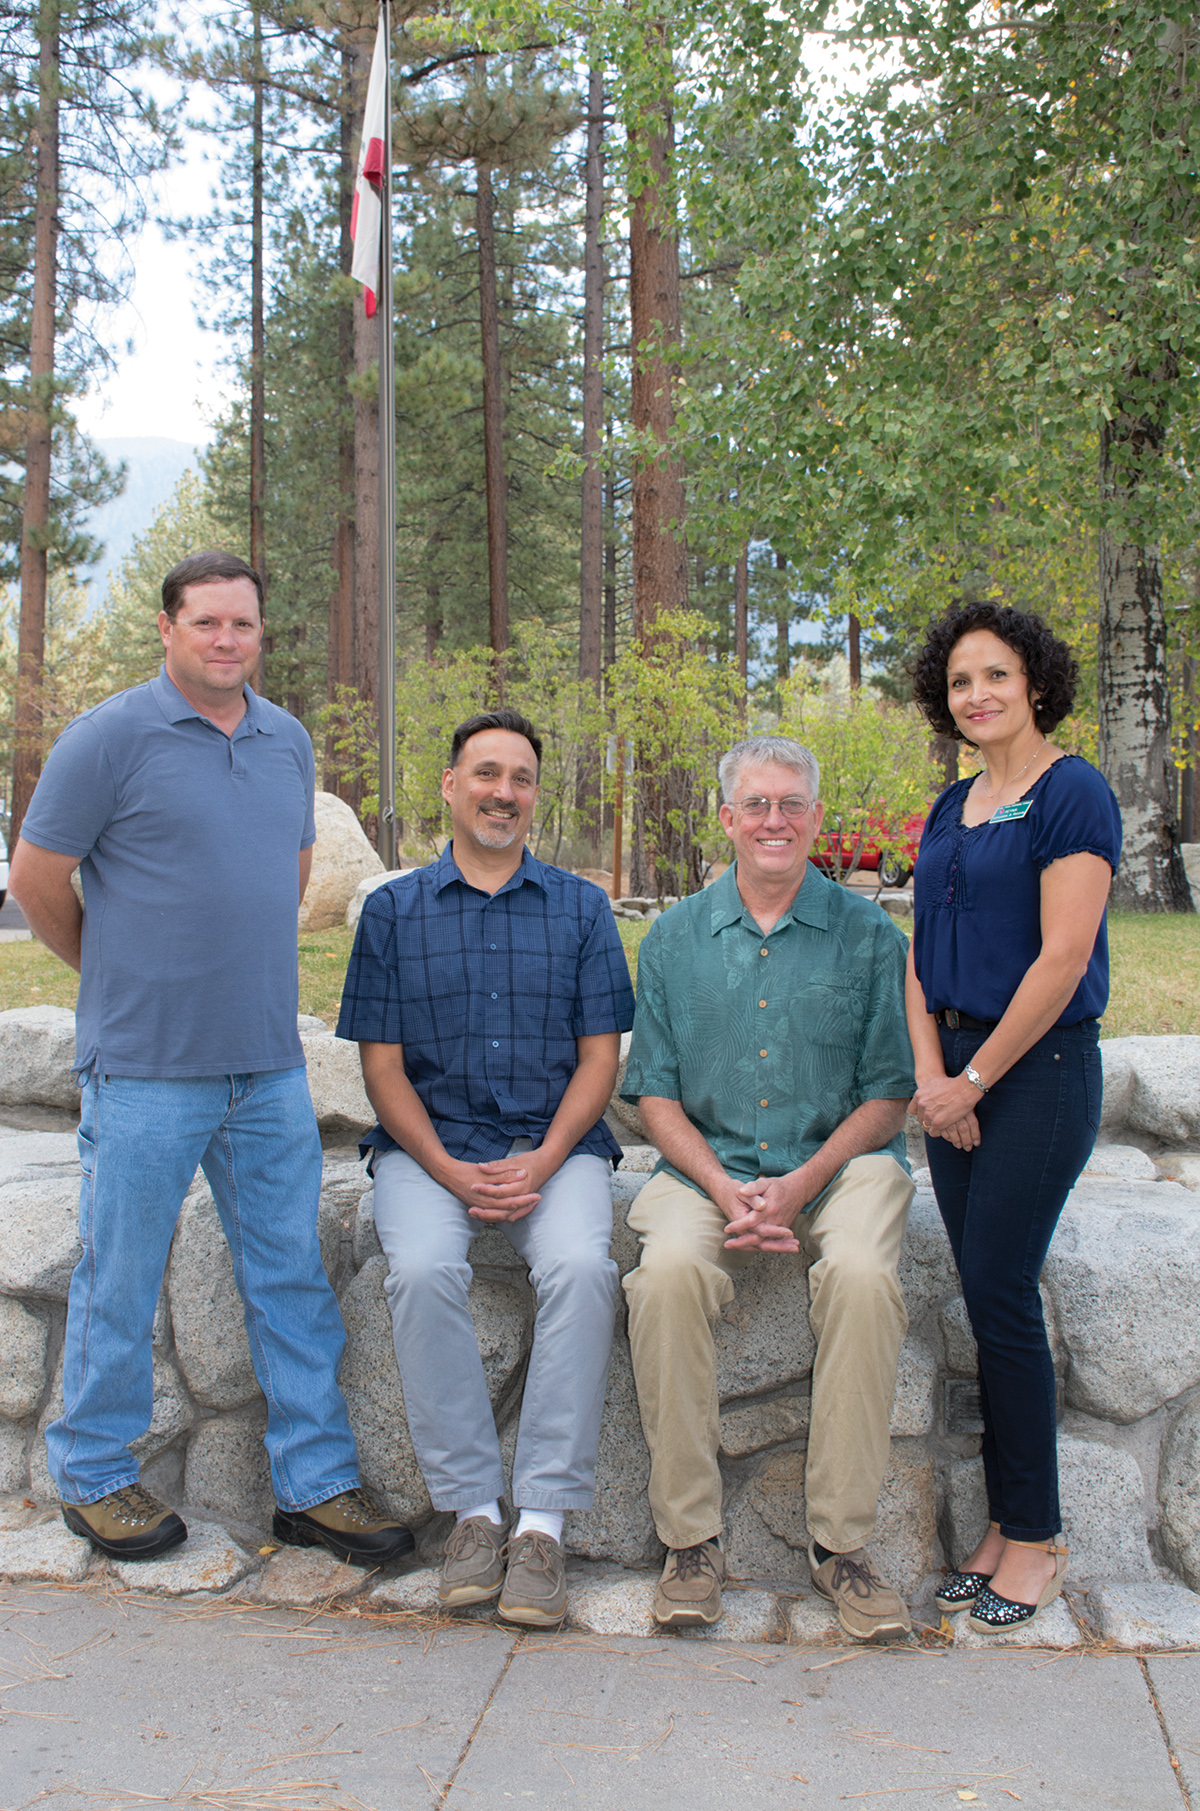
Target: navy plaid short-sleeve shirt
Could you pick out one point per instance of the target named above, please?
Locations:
(487, 993)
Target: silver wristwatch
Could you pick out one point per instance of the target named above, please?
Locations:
(973, 1076)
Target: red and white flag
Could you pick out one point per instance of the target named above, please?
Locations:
(366, 220)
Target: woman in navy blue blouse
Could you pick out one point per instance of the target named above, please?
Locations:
(1007, 979)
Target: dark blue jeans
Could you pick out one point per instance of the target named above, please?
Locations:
(1000, 1204)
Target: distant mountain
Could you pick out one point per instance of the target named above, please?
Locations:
(153, 469)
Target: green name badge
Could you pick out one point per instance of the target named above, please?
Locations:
(1008, 814)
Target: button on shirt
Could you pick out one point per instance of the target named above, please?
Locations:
(769, 1043)
(487, 993)
(189, 842)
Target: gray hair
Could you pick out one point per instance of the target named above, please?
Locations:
(763, 751)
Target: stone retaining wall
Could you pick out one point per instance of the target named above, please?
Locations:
(1121, 1286)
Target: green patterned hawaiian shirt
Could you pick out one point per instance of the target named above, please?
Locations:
(770, 1042)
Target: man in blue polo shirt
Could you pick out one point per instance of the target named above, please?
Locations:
(187, 805)
(487, 994)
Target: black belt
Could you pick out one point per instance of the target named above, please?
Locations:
(962, 1021)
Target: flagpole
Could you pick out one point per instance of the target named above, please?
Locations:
(387, 489)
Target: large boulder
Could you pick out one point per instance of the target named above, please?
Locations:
(206, 1310)
(1123, 1275)
(23, 1337)
(14, 1467)
(1103, 1510)
(37, 1048)
(342, 857)
(1179, 1496)
(927, 1273)
(1152, 1085)
(374, 1399)
(365, 888)
(227, 1468)
(1191, 862)
(39, 1237)
(172, 1414)
(763, 1338)
(905, 1544)
(335, 1082)
(619, 1525)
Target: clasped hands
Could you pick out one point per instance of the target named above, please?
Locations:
(504, 1188)
(761, 1213)
(945, 1107)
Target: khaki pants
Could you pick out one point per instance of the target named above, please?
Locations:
(858, 1316)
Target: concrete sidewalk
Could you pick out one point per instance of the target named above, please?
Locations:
(112, 1698)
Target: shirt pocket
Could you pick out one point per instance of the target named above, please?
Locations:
(829, 1013)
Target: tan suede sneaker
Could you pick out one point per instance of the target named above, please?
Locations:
(128, 1523)
(535, 1584)
(473, 1562)
(867, 1609)
(350, 1525)
(689, 1591)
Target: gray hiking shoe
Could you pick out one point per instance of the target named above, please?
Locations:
(473, 1564)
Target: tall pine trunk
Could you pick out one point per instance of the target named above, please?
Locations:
(741, 623)
(35, 519)
(1132, 684)
(494, 476)
(591, 527)
(664, 858)
(854, 639)
(258, 376)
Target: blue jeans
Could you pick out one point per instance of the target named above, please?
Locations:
(1000, 1204)
(256, 1139)
(426, 1233)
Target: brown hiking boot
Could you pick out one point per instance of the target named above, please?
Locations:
(867, 1609)
(535, 1584)
(128, 1523)
(689, 1591)
(473, 1562)
(350, 1525)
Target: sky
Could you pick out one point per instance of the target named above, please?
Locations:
(169, 384)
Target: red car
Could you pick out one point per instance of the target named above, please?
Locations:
(893, 868)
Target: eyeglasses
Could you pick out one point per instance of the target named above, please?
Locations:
(793, 807)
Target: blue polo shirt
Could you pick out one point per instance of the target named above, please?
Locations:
(189, 842)
(487, 992)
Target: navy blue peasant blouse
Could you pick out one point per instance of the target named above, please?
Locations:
(977, 895)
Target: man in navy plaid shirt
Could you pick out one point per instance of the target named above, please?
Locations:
(487, 993)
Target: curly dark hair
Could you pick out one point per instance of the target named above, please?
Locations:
(1052, 668)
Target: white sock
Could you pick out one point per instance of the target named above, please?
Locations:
(490, 1512)
(545, 1521)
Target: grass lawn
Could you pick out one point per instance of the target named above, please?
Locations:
(1155, 974)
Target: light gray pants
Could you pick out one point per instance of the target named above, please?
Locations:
(426, 1234)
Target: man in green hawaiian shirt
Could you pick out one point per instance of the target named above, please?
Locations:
(773, 1067)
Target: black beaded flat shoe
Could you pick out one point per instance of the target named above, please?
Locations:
(992, 1614)
(958, 1589)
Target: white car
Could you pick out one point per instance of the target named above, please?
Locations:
(3, 870)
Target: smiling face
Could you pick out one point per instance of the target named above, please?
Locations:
(771, 848)
(212, 644)
(987, 689)
(493, 790)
